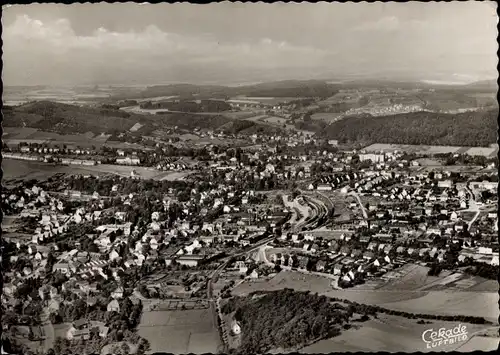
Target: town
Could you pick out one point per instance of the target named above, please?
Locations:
(80, 245)
(249, 178)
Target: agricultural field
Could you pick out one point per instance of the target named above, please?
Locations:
(16, 135)
(18, 132)
(236, 115)
(341, 97)
(135, 127)
(480, 343)
(275, 120)
(405, 336)
(25, 170)
(172, 175)
(428, 162)
(180, 332)
(414, 277)
(285, 279)
(266, 100)
(327, 116)
(431, 149)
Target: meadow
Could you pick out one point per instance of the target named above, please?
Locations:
(180, 332)
(24, 170)
(327, 116)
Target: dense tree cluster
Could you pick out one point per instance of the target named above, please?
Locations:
(285, 319)
(463, 129)
(483, 270)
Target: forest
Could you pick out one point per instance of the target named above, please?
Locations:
(285, 319)
(425, 128)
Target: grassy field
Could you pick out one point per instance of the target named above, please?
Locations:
(480, 343)
(327, 116)
(391, 334)
(275, 120)
(238, 114)
(480, 304)
(18, 132)
(180, 332)
(20, 169)
(432, 149)
(15, 135)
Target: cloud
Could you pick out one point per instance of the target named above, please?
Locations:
(388, 23)
(57, 41)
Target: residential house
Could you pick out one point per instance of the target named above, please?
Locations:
(364, 239)
(372, 246)
(320, 265)
(368, 255)
(303, 261)
(356, 253)
(345, 250)
(337, 269)
(190, 260)
(400, 249)
(113, 306)
(118, 293)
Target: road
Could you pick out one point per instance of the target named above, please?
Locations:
(355, 195)
(297, 224)
(213, 306)
(48, 330)
(473, 207)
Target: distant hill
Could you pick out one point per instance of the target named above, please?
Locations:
(484, 85)
(70, 119)
(463, 129)
(286, 88)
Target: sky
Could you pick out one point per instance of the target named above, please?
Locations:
(223, 43)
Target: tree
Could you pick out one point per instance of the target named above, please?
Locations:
(143, 346)
(124, 348)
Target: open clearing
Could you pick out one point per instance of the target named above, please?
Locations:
(391, 334)
(180, 332)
